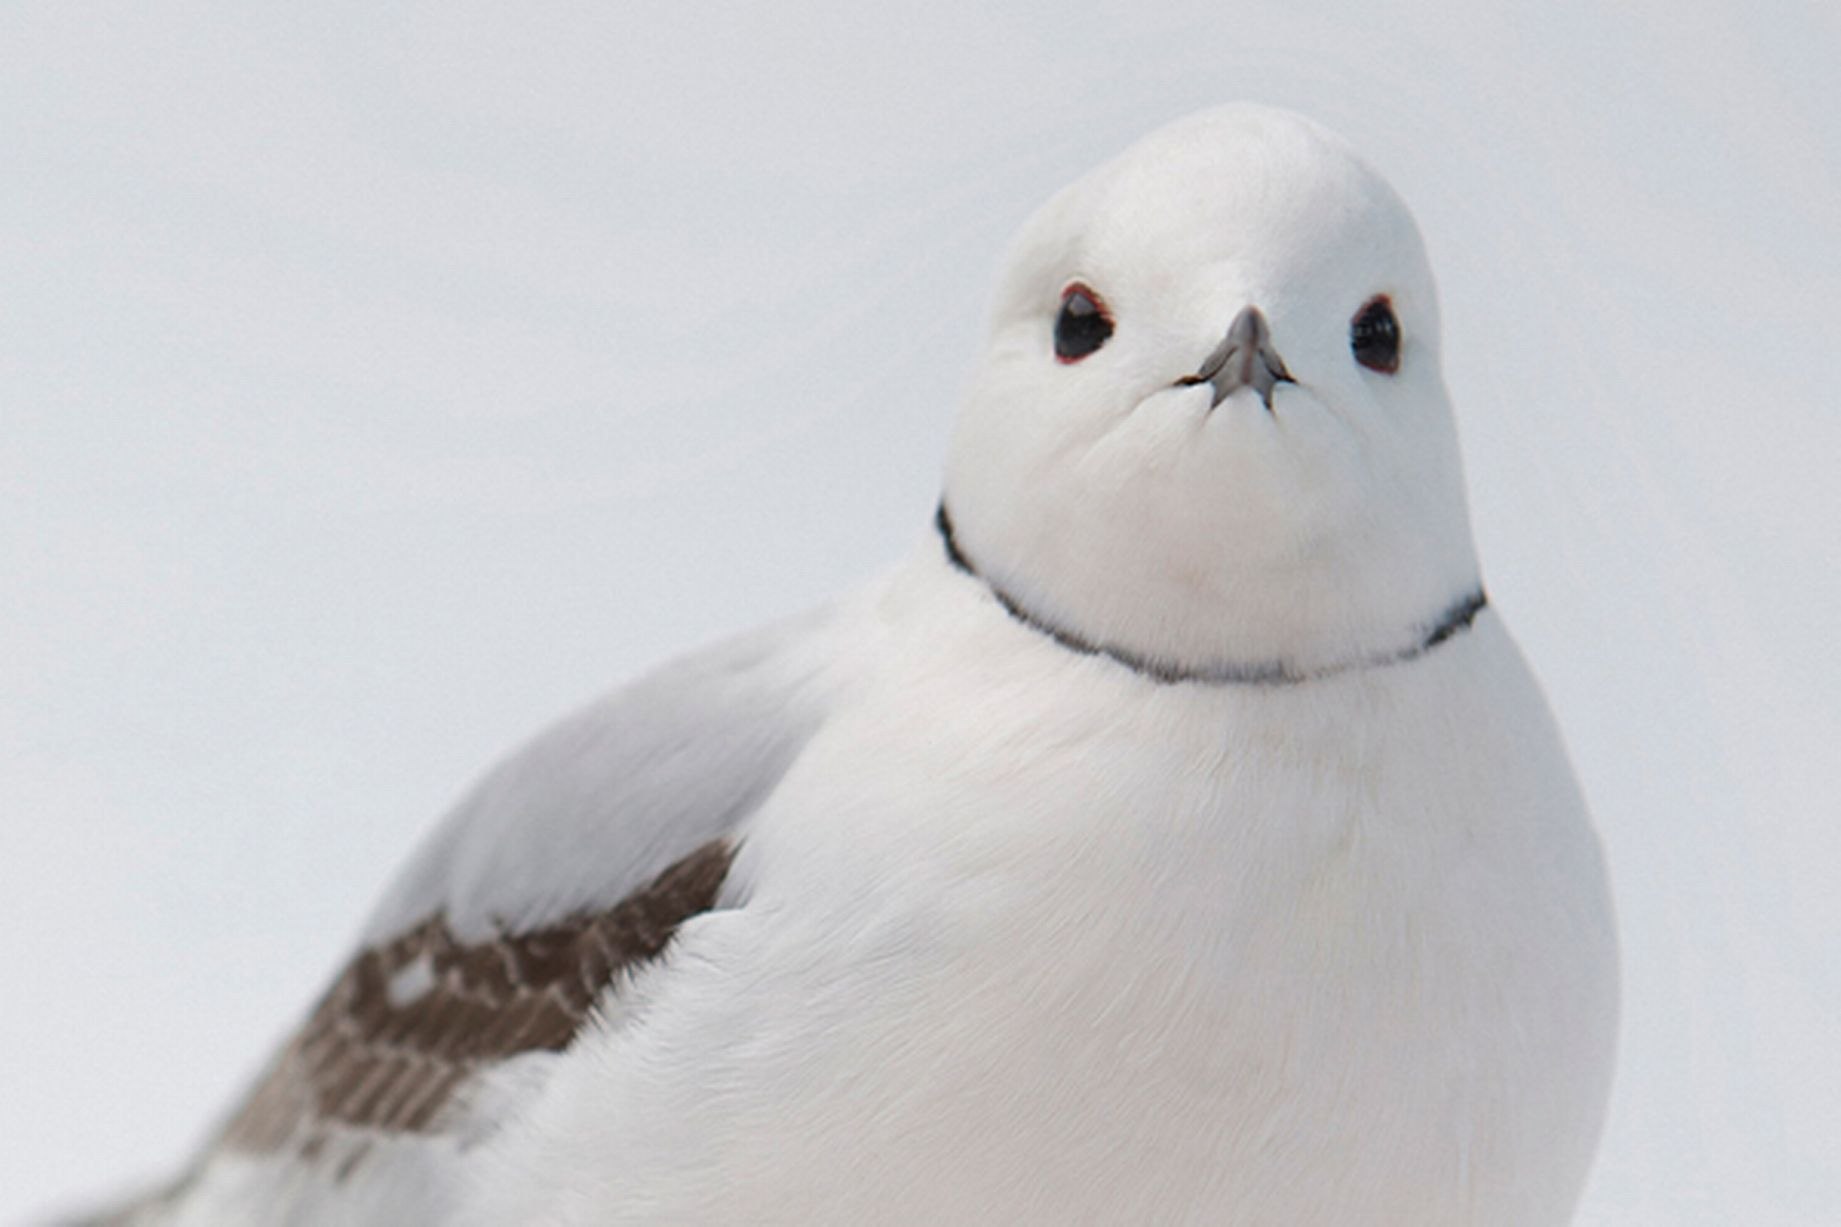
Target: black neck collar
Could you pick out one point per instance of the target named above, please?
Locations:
(1453, 621)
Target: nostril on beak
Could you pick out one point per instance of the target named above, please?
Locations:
(1244, 358)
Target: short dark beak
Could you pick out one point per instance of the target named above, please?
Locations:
(1244, 359)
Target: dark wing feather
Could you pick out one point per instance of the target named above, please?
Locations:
(369, 1058)
(571, 863)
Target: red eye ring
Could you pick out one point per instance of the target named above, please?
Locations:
(1083, 324)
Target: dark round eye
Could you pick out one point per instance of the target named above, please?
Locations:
(1374, 336)
(1083, 324)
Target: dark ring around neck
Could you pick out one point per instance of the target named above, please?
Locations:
(1455, 620)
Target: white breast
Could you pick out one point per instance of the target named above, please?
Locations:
(1030, 939)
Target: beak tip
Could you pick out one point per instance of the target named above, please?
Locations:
(1245, 357)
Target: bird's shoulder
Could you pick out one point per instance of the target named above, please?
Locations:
(568, 866)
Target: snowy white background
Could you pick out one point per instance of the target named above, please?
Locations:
(379, 381)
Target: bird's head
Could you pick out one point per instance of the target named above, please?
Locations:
(1210, 430)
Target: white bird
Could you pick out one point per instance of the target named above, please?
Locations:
(1177, 836)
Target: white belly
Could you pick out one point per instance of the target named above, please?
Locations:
(1111, 952)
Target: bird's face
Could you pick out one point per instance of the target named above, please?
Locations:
(1210, 428)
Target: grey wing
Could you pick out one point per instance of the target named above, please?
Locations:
(570, 864)
(605, 800)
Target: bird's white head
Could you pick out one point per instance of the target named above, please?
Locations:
(1210, 432)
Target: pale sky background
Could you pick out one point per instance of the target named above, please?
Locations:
(378, 381)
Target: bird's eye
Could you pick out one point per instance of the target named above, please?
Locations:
(1374, 336)
(1083, 324)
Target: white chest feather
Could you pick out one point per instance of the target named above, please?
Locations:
(1089, 949)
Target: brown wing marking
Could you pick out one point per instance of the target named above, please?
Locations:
(375, 1057)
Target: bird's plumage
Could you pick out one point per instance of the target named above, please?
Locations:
(1175, 836)
(567, 867)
